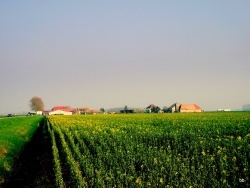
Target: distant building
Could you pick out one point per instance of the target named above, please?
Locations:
(127, 111)
(224, 110)
(190, 108)
(39, 112)
(84, 110)
(61, 110)
(46, 112)
(94, 111)
(177, 107)
(31, 114)
(65, 108)
(174, 108)
(246, 107)
(152, 109)
(160, 111)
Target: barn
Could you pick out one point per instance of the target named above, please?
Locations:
(190, 108)
(177, 107)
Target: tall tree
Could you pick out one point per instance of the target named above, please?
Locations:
(36, 104)
(102, 110)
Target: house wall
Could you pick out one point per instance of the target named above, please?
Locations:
(172, 109)
(177, 107)
(60, 112)
(39, 112)
(191, 110)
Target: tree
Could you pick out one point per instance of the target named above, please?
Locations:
(156, 109)
(36, 104)
(102, 110)
(165, 109)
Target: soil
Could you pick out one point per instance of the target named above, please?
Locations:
(34, 168)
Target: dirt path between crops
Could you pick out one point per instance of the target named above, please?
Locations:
(35, 166)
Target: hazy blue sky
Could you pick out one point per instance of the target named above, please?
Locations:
(116, 53)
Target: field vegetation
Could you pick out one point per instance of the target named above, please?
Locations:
(151, 150)
(15, 133)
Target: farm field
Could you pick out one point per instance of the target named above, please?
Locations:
(15, 133)
(151, 150)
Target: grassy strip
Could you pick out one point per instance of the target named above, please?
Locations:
(15, 133)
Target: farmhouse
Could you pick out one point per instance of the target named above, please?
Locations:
(64, 108)
(86, 110)
(190, 108)
(224, 110)
(94, 111)
(61, 110)
(153, 108)
(176, 107)
(67, 110)
(83, 110)
(126, 111)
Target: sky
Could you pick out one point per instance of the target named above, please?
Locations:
(114, 53)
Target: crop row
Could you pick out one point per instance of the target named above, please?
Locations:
(163, 150)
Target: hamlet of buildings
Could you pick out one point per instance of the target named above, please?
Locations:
(66, 110)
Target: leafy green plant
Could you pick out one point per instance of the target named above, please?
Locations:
(155, 150)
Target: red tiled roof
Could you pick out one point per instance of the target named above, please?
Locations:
(84, 109)
(64, 108)
(151, 106)
(95, 111)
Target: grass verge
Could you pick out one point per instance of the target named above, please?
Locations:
(15, 133)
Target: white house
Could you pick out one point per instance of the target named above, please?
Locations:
(39, 112)
(60, 112)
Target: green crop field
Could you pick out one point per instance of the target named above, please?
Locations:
(151, 150)
(15, 133)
